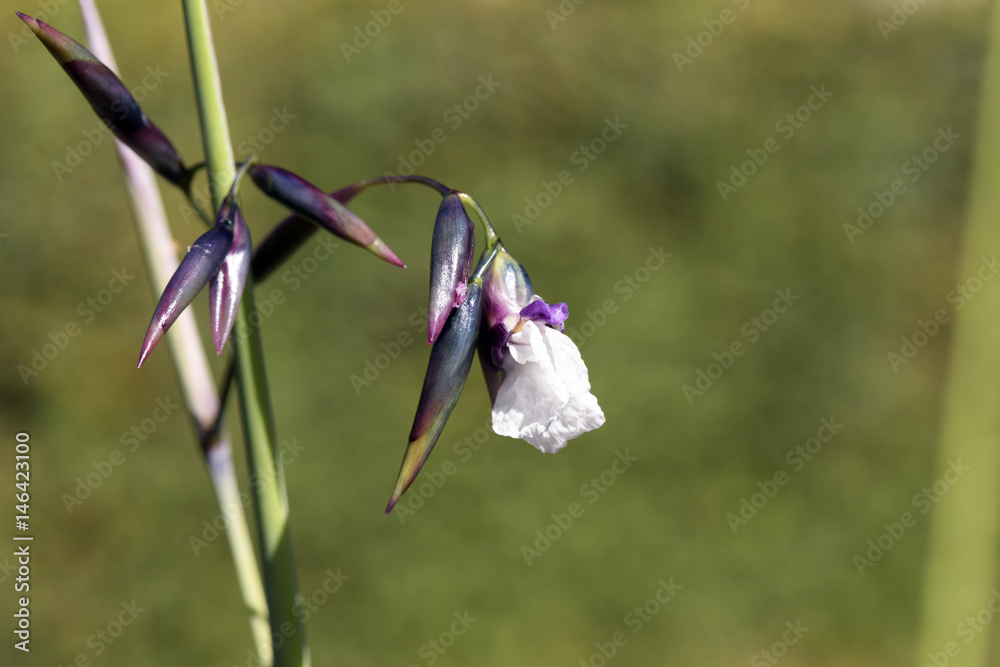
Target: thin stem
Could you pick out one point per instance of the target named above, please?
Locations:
(355, 188)
(268, 483)
(188, 356)
(491, 235)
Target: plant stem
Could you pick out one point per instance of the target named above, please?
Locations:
(264, 462)
(188, 355)
(963, 551)
(491, 235)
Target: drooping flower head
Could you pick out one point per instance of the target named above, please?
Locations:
(538, 382)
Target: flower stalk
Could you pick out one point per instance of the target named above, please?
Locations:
(270, 497)
(189, 359)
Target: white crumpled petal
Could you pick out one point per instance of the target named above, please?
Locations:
(545, 397)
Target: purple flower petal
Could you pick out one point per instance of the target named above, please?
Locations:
(553, 315)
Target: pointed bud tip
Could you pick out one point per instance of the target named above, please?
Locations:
(435, 324)
(382, 250)
(147, 349)
(32, 22)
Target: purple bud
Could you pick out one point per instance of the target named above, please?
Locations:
(506, 291)
(202, 261)
(112, 102)
(447, 371)
(227, 287)
(310, 202)
(451, 258)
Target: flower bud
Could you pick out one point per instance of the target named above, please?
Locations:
(203, 260)
(447, 371)
(451, 259)
(506, 290)
(226, 289)
(310, 202)
(112, 102)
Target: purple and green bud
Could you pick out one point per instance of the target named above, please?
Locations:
(506, 291)
(112, 102)
(203, 260)
(451, 258)
(226, 289)
(447, 371)
(304, 198)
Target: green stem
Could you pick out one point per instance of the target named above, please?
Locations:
(189, 358)
(965, 531)
(264, 462)
(491, 236)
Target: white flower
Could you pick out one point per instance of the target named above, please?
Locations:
(545, 397)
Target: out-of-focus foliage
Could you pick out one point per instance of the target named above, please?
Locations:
(455, 543)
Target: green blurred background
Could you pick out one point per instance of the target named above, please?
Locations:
(654, 187)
